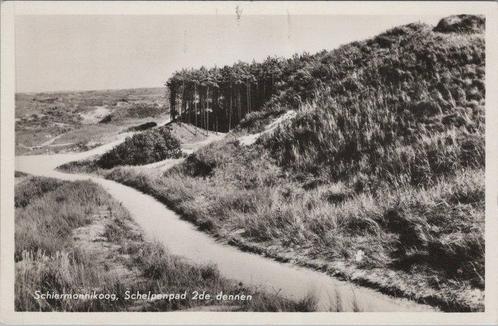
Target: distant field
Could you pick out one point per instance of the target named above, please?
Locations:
(74, 121)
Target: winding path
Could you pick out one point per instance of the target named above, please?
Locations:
(183, 239)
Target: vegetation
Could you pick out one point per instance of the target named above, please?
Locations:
(431, 238)
(219, 98)
(143, 126)
(143, 148)
(384, 157)
(72, 237)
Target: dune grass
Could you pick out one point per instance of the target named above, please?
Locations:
(55, 252)
(430, 237)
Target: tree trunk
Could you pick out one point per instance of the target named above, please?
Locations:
(230, 109)
(195, 104)
(240, 104)
(207, 108)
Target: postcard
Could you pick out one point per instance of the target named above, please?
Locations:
(249, 163)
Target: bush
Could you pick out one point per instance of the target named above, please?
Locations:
(144, 148)
(461, 23)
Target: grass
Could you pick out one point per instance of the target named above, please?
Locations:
(431, 238)
(57, 251)
(45, 208)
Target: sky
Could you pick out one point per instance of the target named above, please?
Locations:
(89, 52)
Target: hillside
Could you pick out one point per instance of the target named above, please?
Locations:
(378, 176)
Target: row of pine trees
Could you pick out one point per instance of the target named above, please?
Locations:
(219, 98)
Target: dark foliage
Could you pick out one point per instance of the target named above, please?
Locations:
(219, 98)
(143, 126)
(144, 148)
(106, 119)
(461, 24)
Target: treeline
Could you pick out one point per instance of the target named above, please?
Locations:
(219, 98)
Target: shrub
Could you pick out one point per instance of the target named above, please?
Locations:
(148, 147)
(143, 126)
(461, 23)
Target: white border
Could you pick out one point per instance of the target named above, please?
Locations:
(9, 9)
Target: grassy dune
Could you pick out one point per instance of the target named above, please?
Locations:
(422, 243)
(72, 237)
(379, 178)
(384, 160)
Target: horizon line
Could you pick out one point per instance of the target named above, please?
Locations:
(86, 90)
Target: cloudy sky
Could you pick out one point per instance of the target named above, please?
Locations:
(108, 52)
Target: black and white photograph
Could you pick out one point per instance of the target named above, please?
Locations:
(238, 161)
